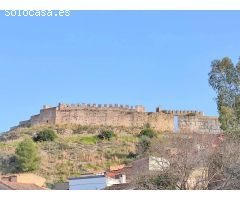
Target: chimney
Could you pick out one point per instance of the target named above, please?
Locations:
(9, 178)
(123, 178)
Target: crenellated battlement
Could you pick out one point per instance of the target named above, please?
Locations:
(183, 112)
(120, 107)
(180, 112)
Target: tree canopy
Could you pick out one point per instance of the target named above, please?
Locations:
(224, 78)
(27, 158)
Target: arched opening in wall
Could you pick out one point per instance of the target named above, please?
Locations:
(176, 124)
(47, 121)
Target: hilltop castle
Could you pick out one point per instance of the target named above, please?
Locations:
(125, 116)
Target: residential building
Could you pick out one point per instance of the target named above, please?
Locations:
(12, 185)
(28, 178)
(88, 182)
(147, 164)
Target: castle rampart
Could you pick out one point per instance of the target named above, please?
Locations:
(83, 106)
(199, 124)
(124, 115)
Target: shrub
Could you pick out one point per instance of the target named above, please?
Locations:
(162, 181)
(45, 135)
(147, 133)
(106, 135)
(144, 145)
(26, 155)
(131, 155)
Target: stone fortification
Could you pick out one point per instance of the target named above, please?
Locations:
(199, 124)
(116, 115)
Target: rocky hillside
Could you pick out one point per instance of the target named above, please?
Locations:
(76, 150)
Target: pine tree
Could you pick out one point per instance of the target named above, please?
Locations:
(27, 157)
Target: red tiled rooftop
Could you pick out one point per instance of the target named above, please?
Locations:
(113, 173)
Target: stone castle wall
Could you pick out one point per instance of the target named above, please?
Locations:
(199, 124)
(195, 122)
(113, 116)
(123, 116)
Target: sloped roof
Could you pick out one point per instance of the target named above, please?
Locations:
(87, 176)
(29, 178)
(20, 186)
(125, 170)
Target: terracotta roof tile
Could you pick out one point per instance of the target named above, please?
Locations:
(124, 170)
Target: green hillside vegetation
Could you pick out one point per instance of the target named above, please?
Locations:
(75, 150)
(26, 156)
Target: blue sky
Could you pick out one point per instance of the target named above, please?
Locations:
(127, 57)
